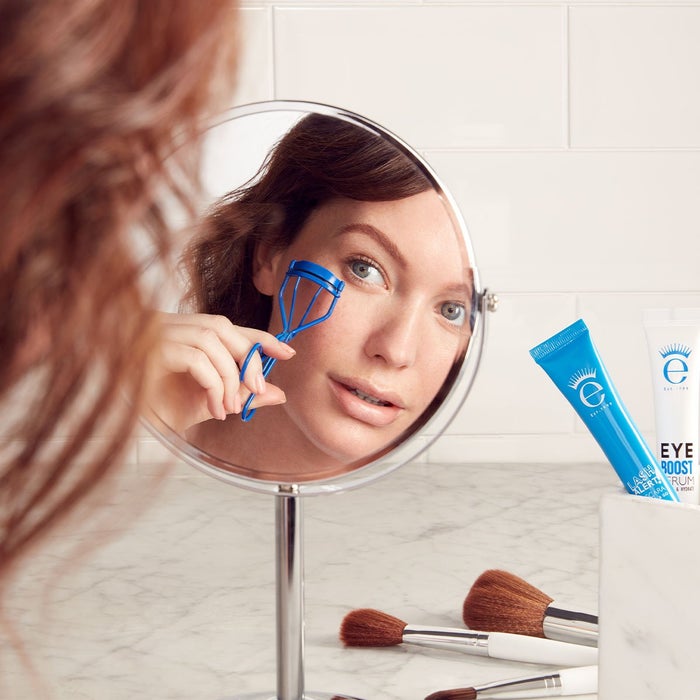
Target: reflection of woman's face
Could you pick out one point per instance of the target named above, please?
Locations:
(362, 377)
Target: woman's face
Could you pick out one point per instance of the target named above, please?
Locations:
(365, 375)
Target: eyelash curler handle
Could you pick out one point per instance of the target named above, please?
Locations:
(300, 269)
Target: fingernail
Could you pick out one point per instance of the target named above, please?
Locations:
(260, 384)
(289, 349)
(237, 407)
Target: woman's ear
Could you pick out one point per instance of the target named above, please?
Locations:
(265, 264)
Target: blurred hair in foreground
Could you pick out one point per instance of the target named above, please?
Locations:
(96, 95)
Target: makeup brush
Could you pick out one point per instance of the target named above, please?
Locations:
(503, 602)
(567, 681)
(372, 628)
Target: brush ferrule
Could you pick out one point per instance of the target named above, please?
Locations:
(531, 687)
(570, 626)
(447, 638)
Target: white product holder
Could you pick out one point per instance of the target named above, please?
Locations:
(649, 599)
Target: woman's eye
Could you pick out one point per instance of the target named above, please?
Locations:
(366, 271)
(454, 312)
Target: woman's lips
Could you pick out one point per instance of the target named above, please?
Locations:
(361, 402)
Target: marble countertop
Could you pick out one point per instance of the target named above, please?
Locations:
(177, 602)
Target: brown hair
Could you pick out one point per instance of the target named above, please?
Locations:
(96, 95)
(320, 158)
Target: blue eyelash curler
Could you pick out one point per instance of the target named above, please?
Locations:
(326, 281)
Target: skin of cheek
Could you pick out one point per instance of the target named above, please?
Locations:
(350, 344)
(339, 347)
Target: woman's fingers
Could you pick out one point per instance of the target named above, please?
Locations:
(238, 341)
(212, 350)
(181, 358)
(203, 354)
(272, 397)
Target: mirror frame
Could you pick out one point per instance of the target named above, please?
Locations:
(407, 448)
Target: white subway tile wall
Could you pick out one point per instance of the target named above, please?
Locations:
(569, 135)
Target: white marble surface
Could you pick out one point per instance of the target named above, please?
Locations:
(178, 602)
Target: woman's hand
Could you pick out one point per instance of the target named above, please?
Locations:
(194, 374)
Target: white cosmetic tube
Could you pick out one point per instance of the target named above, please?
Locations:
(673, 338)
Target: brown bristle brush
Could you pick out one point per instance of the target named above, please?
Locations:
(372, 628)
(567, 681)
(503, 602)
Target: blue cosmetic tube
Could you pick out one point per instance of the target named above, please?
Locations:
(572, 362)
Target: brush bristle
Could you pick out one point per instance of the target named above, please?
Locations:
(371, 628)
(503, 602)
(454, 694)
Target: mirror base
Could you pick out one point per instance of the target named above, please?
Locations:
(307, 696)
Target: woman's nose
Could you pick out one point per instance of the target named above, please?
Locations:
(395, 336)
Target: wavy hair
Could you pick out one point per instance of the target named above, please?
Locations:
(320, 158)
(97, 96)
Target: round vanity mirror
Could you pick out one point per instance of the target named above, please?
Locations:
(322, 232)
(327, 231)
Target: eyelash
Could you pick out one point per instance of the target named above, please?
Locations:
(463, 319)
(352, 260)
(367, 261)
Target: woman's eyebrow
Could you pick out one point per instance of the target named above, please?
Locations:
(380, 237)
(463, 290)
(459, 291)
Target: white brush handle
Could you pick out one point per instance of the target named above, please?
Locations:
(502, 645)
(569, 681)
(579, 681)
(535, 650)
